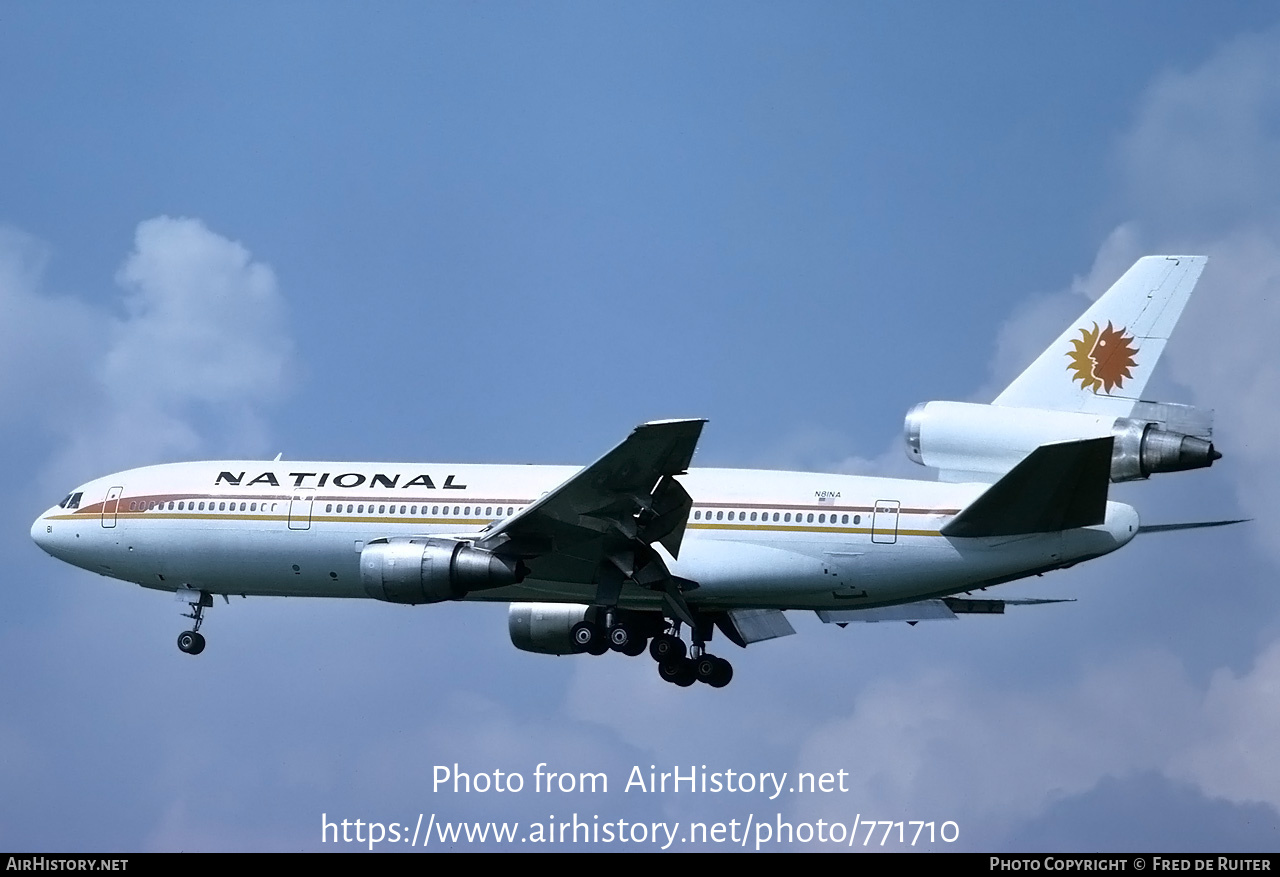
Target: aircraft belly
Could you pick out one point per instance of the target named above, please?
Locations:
(243, 560)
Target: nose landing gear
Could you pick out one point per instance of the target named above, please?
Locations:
(192, 641)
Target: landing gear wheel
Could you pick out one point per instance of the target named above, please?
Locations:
(190, 641)
(665, 646)
(588, 637)
(716, 672)
(620, 637)
(679, 671)
(636, 647)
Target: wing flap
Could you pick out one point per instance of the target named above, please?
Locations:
(746, 626)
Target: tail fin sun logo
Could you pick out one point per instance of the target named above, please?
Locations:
(1102, 359)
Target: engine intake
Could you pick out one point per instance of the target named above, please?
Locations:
(423, 570)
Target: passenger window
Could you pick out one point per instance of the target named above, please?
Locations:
(822, 519)
(857, 519)
(435, 510)
(361, 510)
(456, 509)
(719, 516)
(253, 506)
(810, 517)
(844, 519)
(788, 517)
(731, 516)
(382, 509)
(510, 511)
(753, 516)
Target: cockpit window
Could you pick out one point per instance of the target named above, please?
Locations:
(72, 500)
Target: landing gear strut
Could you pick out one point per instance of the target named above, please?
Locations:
(192, 641)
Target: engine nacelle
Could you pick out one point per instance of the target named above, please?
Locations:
(963, 437)
(544, 627)
(423, 570)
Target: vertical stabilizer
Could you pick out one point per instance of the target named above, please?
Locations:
(1102, 362)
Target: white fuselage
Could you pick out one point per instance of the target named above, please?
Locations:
(755, 539)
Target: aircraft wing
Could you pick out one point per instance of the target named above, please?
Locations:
(601, 523)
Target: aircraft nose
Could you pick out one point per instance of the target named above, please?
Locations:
(41, 534)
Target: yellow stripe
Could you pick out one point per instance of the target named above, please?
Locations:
(782, 528)
(334, 519)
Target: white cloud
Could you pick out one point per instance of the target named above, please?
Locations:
(944, 745)
(1201, 154)
(202, 346)
(205, 321)
(1235, 757)
(808, 448)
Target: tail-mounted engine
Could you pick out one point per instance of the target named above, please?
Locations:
(424, 570)
(965, 439)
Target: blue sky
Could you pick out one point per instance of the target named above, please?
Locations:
(509, 233)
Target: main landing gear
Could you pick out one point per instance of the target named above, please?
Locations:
(617, 634)
(698, 666)
(192, 641)
(608, 629)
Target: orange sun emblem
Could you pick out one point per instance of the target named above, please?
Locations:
(1101, 359)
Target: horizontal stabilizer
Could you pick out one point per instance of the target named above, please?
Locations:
(746, 626)
(927, 610)
(1196, 525)
(1057, 487)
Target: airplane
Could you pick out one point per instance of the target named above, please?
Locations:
(632, 551)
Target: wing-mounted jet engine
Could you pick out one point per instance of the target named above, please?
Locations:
(423, 570)
(1085, 385)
